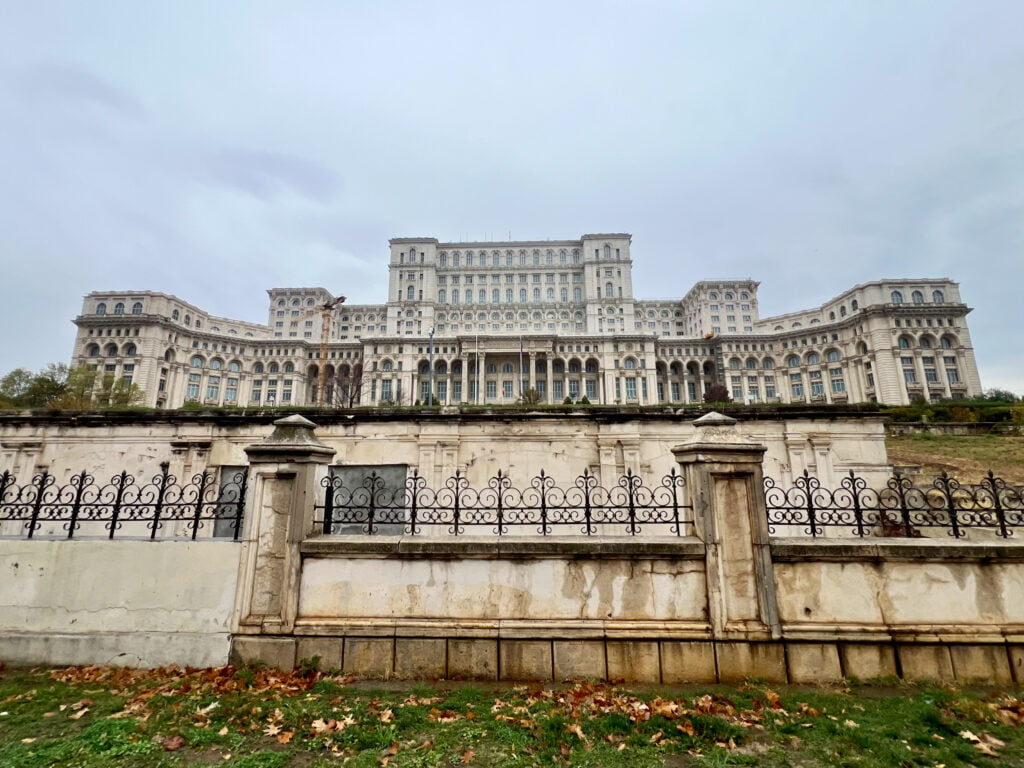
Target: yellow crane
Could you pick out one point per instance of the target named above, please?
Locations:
(326, 310)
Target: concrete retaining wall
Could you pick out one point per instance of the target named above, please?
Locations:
(131, 603)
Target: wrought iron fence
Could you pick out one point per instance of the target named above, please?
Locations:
(585, 507)
(148, 508)
(900, 509)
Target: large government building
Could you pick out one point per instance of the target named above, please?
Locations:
(558, 317)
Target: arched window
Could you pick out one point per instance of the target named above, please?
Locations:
(281, 302)
(793, 362)
(131, 351)
(289, 367)
(443, 259)
(751, 363)
(492, 368)
(917, 297)
(257, 368)
(813, 358)
(947, 342)
(137, 308)
(119, 308)
(926, 342)
(93, 350)
(842, 311)
(296, 302)
(833, 356)
(455, 295)
(469, 259)
(630, 364)
(495, 259)
(273, 368)
(734, 363)
(199, 323)
(713, 296)
(175, 315)
(188, 319)
(101, 308)
(609, 291)
(896, 297)
(197, 362)
(111, 350)
(386, 365)
(831, 315)
(507, 368)
(607, 251)
(412, 255)
(216, 364)
(904, 342)
(728, 297)
(938, 297)
(854, 304)
(442, 296)
(234, 367)
(768, 363)
(410, 293)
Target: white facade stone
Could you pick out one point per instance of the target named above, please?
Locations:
(561, 312)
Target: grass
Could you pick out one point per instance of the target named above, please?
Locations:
(106, 718)
(966, 458)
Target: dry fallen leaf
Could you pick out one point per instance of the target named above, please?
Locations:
(223, 731)
(467, 756)
(272, 730)
(851, 724)
(393, 749)
(78, 715)
(27, 741)
(174, 743)
(285, 737)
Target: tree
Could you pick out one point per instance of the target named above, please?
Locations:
(347, 387)
(716, 393)
(531, 397)
(23, 389)
(999, 396)
(87, 388)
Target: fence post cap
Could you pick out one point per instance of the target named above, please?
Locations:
(714, 419)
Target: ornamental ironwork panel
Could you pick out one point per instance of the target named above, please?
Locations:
(86, 508)
(901, 508)
(584, 507)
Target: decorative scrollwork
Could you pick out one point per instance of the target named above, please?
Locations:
(582, 507)
(901, 508)
(83, 506)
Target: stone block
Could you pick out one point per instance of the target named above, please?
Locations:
(370, 657)
(525, 659)
(739, 661)
(688, 662)
(277, 652)
(327, 649)
(579, 659)
(634, 661)
(473, 659)
(420, 659)
(980, 663)
(867, 661)
(1017, 662)
(813, 662)
(925, 662)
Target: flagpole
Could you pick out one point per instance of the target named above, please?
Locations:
(520, 367)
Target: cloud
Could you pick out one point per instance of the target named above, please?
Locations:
(72, 85)
(266, 175)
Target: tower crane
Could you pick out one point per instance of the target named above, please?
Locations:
(326, 310)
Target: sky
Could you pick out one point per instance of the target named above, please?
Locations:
(213, 150)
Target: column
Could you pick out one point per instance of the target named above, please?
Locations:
(481, 375)
(550, 379)
(281, 492)
(465, 377)
(533, 370)
(724, 478)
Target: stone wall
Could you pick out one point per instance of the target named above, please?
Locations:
(131, 603)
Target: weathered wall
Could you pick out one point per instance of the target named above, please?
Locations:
(132, 603)
(607, 442)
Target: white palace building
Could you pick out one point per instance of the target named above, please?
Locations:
(562, 313)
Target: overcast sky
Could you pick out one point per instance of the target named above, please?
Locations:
(216, 149)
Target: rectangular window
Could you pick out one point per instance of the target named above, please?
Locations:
(557, 389)
(931, 375)
(953, 375)
(231, 393)
(506, 389)
(630, 387)
(909, 376)
(838, 386)
(574, 389)
(492, 389)
(386, 390)
(591, 389)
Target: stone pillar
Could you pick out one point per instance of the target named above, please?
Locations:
(464, 397)
(481, 377)
(282, 489)
(533, 370)
(725, 478)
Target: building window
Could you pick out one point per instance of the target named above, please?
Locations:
(917, 297)
(896, 297)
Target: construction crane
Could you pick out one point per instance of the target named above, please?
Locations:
(326, 310)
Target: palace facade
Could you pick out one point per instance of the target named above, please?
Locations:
(492, 320)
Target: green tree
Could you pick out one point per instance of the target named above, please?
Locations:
(716, 393)
(86, 388)
(999, 396)
(531, 397)
(23, 389)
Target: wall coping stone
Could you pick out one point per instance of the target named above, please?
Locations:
(506, 547)
(940, 550)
